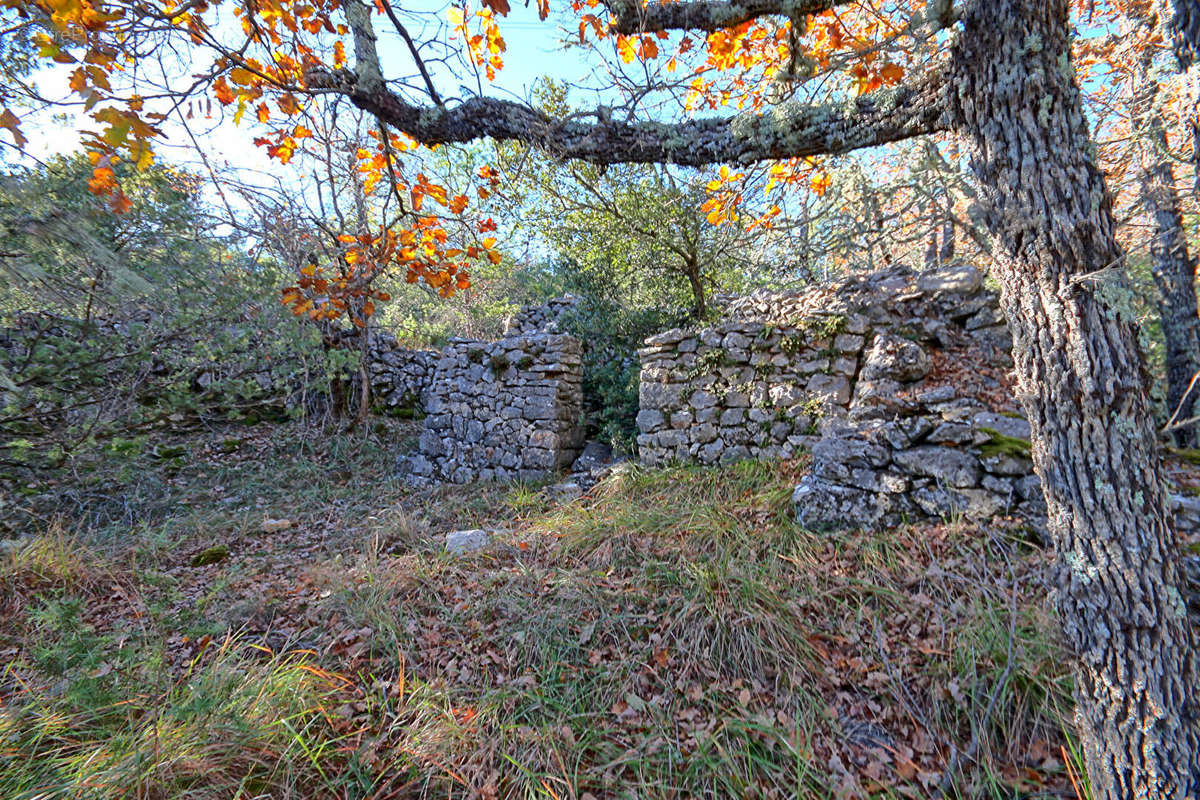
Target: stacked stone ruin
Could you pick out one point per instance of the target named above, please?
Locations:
(399, 375)
(743, 389)
(504, 410)
(842, 372)
(540, 317)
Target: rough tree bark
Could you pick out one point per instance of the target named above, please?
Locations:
(1081, 377)
(1011, 92)
(1173, 269)
(1185, 36)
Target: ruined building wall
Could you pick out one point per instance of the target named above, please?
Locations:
(846, 373)
(743, 389)
(504, 410)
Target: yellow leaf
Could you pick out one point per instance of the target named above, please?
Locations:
(626, 49)
(242, 76)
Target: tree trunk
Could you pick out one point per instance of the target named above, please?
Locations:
(699, 306)
(1174, 272)
(1185, 39)
(1116, 581)
(946, 254)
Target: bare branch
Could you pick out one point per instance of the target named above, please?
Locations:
(413, 51)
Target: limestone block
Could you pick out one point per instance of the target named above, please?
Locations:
(649, 420)
(462, 542)
(949, 466)
(895, 358)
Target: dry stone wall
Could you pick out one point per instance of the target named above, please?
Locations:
(400, 376)
(845, 373)
(743, 389)
(505, 410)
(540, 318)
(757, 385)
(949, 457)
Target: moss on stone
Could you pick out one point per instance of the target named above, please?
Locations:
(1000, 445)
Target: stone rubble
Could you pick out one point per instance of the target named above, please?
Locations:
(951, 459)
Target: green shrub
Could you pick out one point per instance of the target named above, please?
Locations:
(611, 335)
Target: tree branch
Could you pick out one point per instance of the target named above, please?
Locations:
(791, 129)
(706, 15)
(412, 49)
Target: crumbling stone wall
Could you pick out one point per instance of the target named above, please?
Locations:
(540, 318)
(943, 457)
(504, 410)
(400, 376)
(757, 385)
(743, 389)
(846, 372)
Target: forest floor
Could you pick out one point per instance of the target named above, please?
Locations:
(671, 634)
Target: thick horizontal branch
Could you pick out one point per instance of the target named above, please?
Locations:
(706, 15)
(788, 130)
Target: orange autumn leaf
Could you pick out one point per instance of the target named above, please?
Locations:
(222, 91)
(9, 121)
(891, 73)
(288, 104)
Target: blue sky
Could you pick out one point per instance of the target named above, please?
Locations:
(533, 51)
